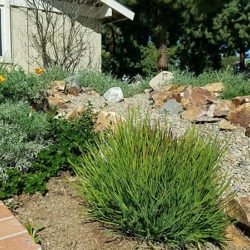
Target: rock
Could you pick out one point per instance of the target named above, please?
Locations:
(239, 100)
(167, 93)
(221, 108)
(107, 120)
(193, 113)
(58, 100)
(226, 125)
(114, 94)
(73, 85)
(205, 118)
(90, 91)
(161, 80)
(210, 246)
(247, 133)
(75, 113)
(240, 209)
(73, 91)
(240, 115)
(195, 97)
(237, 241)
(172, 107)
(215, 88)
(148, 91)
(58, 86)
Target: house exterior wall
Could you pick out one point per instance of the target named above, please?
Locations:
(26, 54)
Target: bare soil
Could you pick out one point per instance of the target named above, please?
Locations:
(60, 213)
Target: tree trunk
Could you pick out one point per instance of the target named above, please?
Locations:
(242, 58)
(162, 63)
(162, 60)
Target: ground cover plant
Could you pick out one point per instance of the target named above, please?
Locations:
(63, 139)
(23, 134)
(235, 85)
(147, 183)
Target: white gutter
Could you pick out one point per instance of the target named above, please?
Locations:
(119, 8)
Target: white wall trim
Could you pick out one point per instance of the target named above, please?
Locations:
(6, 32)
(119, 8)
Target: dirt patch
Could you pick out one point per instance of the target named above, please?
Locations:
(60, 212)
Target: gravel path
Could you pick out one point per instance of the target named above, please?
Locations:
(236, 162)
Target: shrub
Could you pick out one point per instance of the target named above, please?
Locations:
(21, 86)
(149, 184)
(149, 59)
(66, 136)
(22, 136)
(30, 164)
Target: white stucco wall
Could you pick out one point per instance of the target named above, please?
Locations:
(25, 54)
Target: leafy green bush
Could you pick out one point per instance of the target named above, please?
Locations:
(22, 136)
(21, 86)
(235, 85)
(102, 82)
(147, 183)
(41, 162)
(67, 136)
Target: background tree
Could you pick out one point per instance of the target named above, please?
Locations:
(156, 19)
(232, 28)
(199, 32)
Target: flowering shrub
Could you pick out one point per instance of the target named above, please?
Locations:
(38, 71)
(2, 79)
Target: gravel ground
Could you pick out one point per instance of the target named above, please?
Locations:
(236, 162)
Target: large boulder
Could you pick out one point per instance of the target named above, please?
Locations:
(240, 115)
(114, 94)
(240, 209)
(58, 86)
(107, 120)
(226, 125)
(167, 93)
(221, 108)
(73, 85)
(196, 97)
(193, 113)
(239, 100)
(171, 107)
(161, 80)
(59, 100)
(216, 88)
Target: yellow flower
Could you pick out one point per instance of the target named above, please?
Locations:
(2, 78)
(38, 70)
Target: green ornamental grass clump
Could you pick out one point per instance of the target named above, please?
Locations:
(149, 184)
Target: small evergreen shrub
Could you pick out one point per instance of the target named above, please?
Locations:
(22, 136)
(66, 137)
(21, 86)
(29, 164)
(149, 184)
(149, 59)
